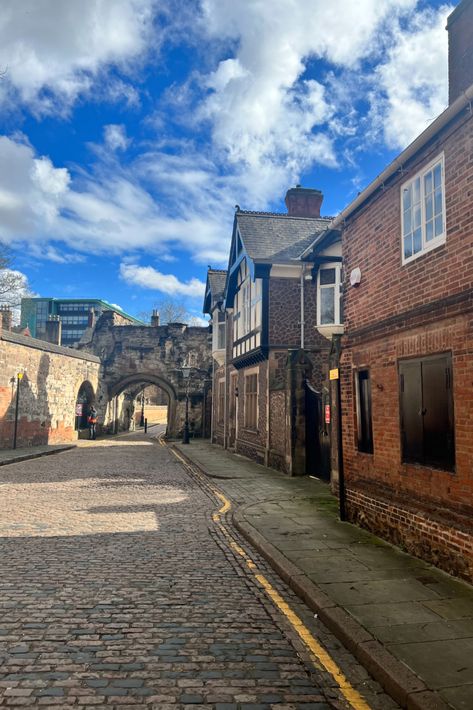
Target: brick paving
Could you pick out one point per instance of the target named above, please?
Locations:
(117, 590)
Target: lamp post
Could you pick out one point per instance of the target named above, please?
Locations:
(186, 371)
(19, 377)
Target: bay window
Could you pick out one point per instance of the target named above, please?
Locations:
(329, 295)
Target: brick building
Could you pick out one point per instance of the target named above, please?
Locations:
(273, 314)
(407, 356)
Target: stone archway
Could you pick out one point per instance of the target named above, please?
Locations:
(145, 378)
(84, 400)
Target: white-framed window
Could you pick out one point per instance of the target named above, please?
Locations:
(251, 400)
(423, 211)
(248, 304)
(329, 295)
(218, 330)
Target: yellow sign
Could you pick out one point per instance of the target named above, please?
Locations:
(20, 375)
(334, 374)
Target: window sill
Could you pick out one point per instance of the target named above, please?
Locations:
(440, 241)
(330, 329)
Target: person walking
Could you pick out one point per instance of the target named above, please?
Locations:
(92, 422)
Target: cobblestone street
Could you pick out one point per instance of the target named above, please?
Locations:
(118, 589)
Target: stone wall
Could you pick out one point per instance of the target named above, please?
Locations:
(141, 355)
(52, 378)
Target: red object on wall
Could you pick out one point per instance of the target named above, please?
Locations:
(327, 413)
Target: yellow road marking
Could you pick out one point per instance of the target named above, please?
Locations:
(319, 653)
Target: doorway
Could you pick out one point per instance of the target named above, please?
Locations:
(317, 434)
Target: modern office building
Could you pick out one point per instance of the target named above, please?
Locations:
(74, 314)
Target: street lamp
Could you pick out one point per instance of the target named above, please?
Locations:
(19, 377)
(186, 371)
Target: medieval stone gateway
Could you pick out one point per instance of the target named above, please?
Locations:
(134, 356)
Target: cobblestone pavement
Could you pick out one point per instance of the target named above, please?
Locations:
(118, 590)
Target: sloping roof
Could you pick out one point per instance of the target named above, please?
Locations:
(217, 279)
(271, 237)
(214, 289)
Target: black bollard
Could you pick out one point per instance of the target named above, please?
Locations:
(146, 426)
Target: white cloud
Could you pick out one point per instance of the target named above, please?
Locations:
(414, 77)
(148, 277)
(55, 50)
(265, 114)
(115, 137)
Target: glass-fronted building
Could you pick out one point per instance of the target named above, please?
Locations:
(73, 312)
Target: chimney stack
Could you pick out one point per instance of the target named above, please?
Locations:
(303, 202)
(155, 318)
(460, 49)
(91, 318)
(54, 330)
(6, 317)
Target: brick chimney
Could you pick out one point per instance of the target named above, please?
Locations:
(460, 49)
(155, 318)
(54, 330)
(303, 201)
(6, 317)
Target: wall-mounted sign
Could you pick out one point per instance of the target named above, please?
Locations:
(327, 413)
(334, 374)
(78, 410)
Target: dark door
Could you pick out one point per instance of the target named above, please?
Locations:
(427, 411)
(317, 434)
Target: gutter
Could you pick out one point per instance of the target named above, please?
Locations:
(465, 99)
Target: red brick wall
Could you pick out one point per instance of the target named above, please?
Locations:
(428, 511)
(372, 240)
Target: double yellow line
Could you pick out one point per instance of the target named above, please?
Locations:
(319, 655)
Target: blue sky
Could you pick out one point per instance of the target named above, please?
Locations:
(129, 129)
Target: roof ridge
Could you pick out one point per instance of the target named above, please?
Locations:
(281, 214)
(216, 271)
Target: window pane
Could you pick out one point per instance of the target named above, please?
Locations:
(438, 225)
(428, 207)
(406, 197)
(407, 222)
(327, 276)
(327, 305)
(438, 201)
(364, 422)
(438, 175)
(407, 247)
(416, 197)
(429, 231)
(428, 183)
(416, 217)
(417, 239)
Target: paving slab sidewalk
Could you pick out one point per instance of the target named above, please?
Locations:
(8, 456)
(409, 623)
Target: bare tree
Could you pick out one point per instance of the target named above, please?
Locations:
(171, 311)
(13, 284)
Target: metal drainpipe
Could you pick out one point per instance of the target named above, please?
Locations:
(213, 402)
(225, 403)
(302, 308)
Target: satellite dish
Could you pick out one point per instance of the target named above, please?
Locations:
(355, 277)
